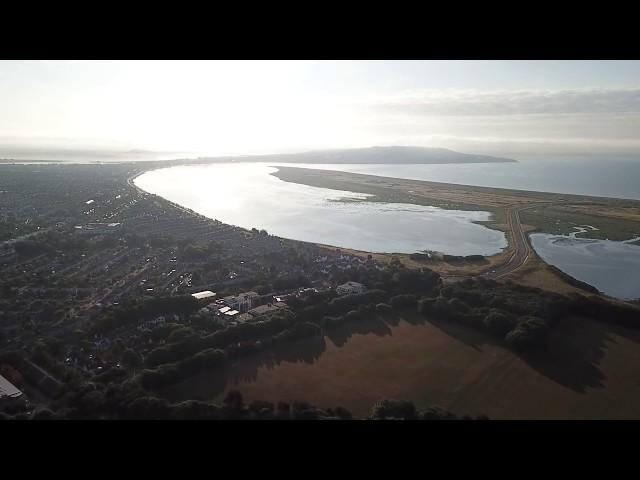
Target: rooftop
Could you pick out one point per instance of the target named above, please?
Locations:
(7, 389)
(262, 309)
(204, 294)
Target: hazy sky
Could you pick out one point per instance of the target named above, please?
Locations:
(242, 107)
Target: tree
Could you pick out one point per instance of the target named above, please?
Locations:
(261, 289)
(234, 400)
(529, 331)
(394, 409)
(131, 358)
(497, 322)
(261, 409)
(44, 414)
(283, 410)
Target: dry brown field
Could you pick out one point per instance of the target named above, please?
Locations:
(584, 375)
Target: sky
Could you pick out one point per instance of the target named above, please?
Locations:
(210, 108)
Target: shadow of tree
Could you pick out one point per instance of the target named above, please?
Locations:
(574, 351)
(469, 336)
(341, 335)
(208, 385)
(572, 356)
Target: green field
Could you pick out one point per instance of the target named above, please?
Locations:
(558, 221)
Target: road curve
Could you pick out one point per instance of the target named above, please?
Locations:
(519, 244)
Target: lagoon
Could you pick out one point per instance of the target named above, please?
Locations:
(247, 195)
(611, 267)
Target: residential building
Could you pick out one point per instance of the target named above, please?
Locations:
(242, 302)
(350, 288)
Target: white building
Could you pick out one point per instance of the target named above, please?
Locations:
(8, 391)
(350, 288)
(205, 295)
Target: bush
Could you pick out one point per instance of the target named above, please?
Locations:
(131, 358)
(330, 322)
(437, 413)
(180, 334)
(111, 375)
(348, 302)
(134, 311)
(403, 301)
(457, 306)
(416, 281)
(394, 409)
(44, 414)
(261, 409)
(288, 283)
(352, 316)
(341, 413)
(175, 372)
(148, 408)
(383, 308)
(498, 322)
(529, 332)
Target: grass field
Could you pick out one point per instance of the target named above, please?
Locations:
(584, 375)
(536, 273)
(462, 267)
(560, 220)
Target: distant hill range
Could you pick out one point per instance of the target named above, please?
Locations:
(386, 155)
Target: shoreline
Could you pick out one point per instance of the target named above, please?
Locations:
(499, 202)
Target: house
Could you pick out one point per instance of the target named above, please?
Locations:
(154, 322)
(350, 288)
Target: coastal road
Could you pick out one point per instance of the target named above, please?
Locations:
(520, 244)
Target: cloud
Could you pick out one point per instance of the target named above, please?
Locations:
(567, 122)
(533, 102)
